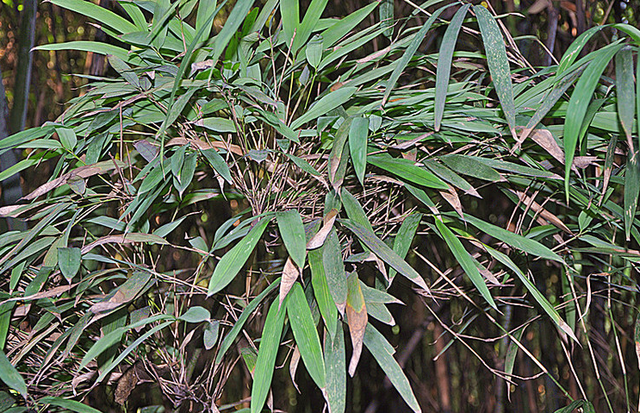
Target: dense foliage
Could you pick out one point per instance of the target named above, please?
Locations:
(271, 194)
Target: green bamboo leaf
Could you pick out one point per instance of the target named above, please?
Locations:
(334, 270)
(203, 17)
(311, 17)
(408, 54)
(375, 296)
(233, 261)
(354, 210)
(216, 124)
(327, 103)
(306, 335)
(550, 100)
(304, 165)
(211, 332)
(471, 166)
(239, 324)
(444, 62)
(574, 49)
(385, 12)
(89, 46)
(408, 170)
(510, 357)
(290, 12)
(98, 13)
(267, 352)
(218, 164)
(68, 138)
(336, 364)
(339, 155)
(321, 291)
(537, 295)
(195, 315)
(382, 351)
(576, 404)
(404, 238)
(527, 245)
(109, 367)
(631, 190)
(292, 232)
(385, 253)
(314, 50)
(579, 102)
(70, 405)
(69, 260)
(498, 63)
(451, 177)
(358, 134)
(381, 313)
(10, 376)
(465, 261)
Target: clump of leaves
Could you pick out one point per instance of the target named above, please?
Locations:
(264, 186)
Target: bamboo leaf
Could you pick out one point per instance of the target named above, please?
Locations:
(196, 315)
(233, 261)
(306, 335)
(327, 103)
(334, 270)
(239, 324)
(292, 232)
(10, 376)
(354, 210)
(98, 13)
(527, 245)
(382, 351)
(358, 134)
(267, 352)
(218, 164)
(357, 319)
(70, 405)
(408, 170)
(290, 12)
(410, 52)
(498, 63)
(336, 365)
(444, 62)
(314, 50)
(385, 253)
(404, 238)
(290, 274)
(465, 261)
(311, 17)
(578, 104)
(321, 291)
(69, 260)
(385, 12)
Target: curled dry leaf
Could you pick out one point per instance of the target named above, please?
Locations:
(290, 274)
(357, 319)
(327, 224)
(293, 366)
(124, 239)
(545, 139)
(202, 145)
(81, 172)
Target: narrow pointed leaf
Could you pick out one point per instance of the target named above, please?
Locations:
(579, 102)
(233, 261)
(498, 63)
(267, 352)
(290, 274)
(357, 319)
(326, 305)
(336, 365)
(408, 170)
(292, 232)
(69, 260)
(358, 134)
(10, 376)
(334, 270)
(385, 253)
(354, 210)
(444, 62)
(410, 52)
(324, 105)
(404, 238)
(239, 324)
(465, 261)
(306, 335)
(382, 351)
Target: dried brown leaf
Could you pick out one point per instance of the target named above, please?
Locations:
(327, 224)
(290, 274)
